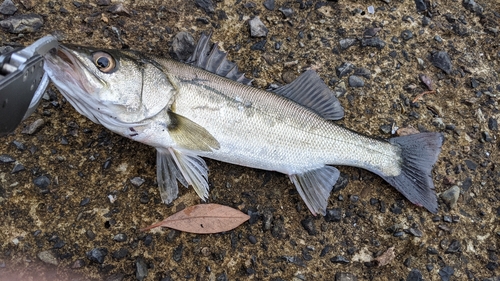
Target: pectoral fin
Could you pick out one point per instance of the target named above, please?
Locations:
(314, 187)
(189, 135)
(173, 165)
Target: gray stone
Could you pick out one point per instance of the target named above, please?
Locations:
(450, 196)
(137, 181)
(5, 159)
(141, 269)
(22, 24)
(442, 61)
(33, 127)
(206, 5)
(97, 255)
(47, 257)
(8, 7)
(346, 43)
(257, 28)
(356, 81)
(269, 4)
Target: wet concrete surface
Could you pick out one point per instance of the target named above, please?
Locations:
(58, 221)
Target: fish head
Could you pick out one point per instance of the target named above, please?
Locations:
(111, 87)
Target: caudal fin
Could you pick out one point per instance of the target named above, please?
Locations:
(419, 152)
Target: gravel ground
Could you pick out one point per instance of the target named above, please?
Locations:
(59, 171)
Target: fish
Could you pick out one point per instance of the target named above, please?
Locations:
(205, 107)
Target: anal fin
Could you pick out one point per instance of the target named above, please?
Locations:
(314, 187)
(310, 91)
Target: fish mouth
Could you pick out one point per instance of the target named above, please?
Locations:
(67, 70)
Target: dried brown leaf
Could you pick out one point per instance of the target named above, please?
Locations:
(203, 219)
(386, 257)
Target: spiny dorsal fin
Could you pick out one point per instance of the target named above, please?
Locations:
(208, 56)
(310, 91)
(189, 135)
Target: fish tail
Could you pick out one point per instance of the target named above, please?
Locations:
(419, 152)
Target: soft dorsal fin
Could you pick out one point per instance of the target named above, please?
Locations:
(208, 56)
(310, 91)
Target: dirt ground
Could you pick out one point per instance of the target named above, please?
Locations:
(69, 229)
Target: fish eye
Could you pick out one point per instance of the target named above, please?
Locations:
(104, 61)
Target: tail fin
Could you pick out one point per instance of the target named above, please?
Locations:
(419, 152)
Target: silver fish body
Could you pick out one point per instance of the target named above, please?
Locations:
(187, 112)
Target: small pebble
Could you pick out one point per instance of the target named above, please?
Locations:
(141, 269)
(5, 158)
(308, 224)
(442, 61)
(339, 259)
(257, 28)
(446, 272)
(137, 181)
(97, 255)
(18, 167)
(450, 196)
(415, 275)
(344, 69)
(333, 215)
(48, 257)
(356, 81)
(120, 237)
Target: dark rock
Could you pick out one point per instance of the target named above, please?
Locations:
(18, 168)
(371, 32)
(474, 7)
(43, 183)
(177, 255)
(356, 81)
(119, 9)
(205, 5)
(33, 127)
(446, 272)
(429, 267)
(286, 11)
(308, 224)
(141, 269)
(341, 183)
(421, 6)
(492, 266)
(19, 145)
(346, 43)
(257, 28)
(120, 237)
(442, 61)
(373, 42)
(182, 46)
(344, 69)
(8, 7)
(447, 219)
(339, 259)
(259, 46)
(415, 275)
(471, 165)
(5, 159)
(426, 21)
(269, 4)
(107, 164)
(432, 251)
(84, 201)
(345, 276)
(493, 124)
(333, 215)
(97, 255)
(361, 71)
(450, 196)
(406, 35)
(474, 83)
(326, 250)
(202, 20)
(103, 2)
(454, 247)
(120, 253)
(252, 239)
